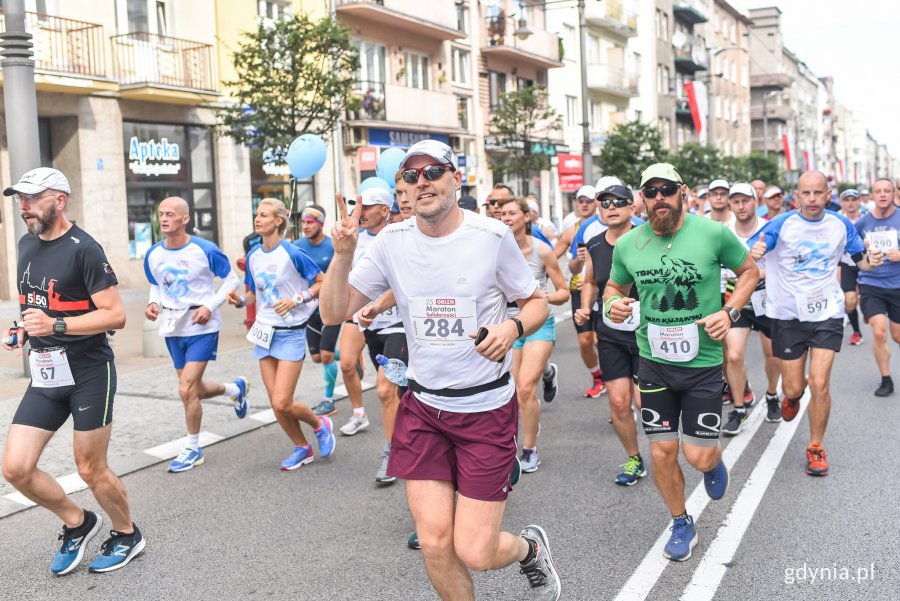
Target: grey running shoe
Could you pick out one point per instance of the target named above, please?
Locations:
(542, 577)
(551, 384)
(356, 424)
(735, 422)
(381, 475)
(773, 408)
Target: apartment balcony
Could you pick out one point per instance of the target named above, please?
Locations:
(771, 81)
(376, 104)
(540, 49)
(690, 11)
(691, 57)
(612, 80)
(683, 111)
(774, 144)
(615, 16)
(164, 69)
(437, 21)
(68, 54)
(777, 112)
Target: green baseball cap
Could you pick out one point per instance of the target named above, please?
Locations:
(664, 171)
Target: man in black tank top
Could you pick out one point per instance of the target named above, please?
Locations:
(616, 345)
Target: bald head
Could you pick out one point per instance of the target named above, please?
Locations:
(813, 178)
(812, 194)
(176, 204)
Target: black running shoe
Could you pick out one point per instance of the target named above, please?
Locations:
(551, 385)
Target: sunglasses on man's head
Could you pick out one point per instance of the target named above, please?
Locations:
(584, 200)
(666, 189)
(619, 203)
(431, 173)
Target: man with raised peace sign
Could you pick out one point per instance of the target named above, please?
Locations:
(456, 427)
(805, 301)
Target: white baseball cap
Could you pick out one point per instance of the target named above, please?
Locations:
(718, 183)
(588, 191)
(772, 192)
(606, 181)
(376, 196)
(38, 180)
(742, 188)
(435, 149)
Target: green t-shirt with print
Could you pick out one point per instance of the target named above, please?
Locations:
(678, 285)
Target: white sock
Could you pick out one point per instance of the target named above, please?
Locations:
(594, 369)
(359, 411)
(231, 389)
(193, 440)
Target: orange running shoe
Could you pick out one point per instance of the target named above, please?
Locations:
(596, 390)
(789, 408)
(816, 463)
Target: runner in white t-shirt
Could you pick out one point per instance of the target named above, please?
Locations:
(456, 427)
(282, 280)
(181, 270)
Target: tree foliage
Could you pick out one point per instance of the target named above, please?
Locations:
(698, 163)
(522, 125)
(630, 149)
(293, 77)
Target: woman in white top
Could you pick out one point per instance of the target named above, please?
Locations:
(530, 354)
(282, 279)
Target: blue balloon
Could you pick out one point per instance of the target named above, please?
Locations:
(306, 155)
(373, 182)
(388, 163)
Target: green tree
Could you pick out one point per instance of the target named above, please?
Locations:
(293, 77)
(630, 149)
(697, 163)
(664, 303)
(521, 126)
(691, 302)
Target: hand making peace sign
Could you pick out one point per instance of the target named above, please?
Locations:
(346, 230)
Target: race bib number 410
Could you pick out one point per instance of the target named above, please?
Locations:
(678, 344)
(443, 321)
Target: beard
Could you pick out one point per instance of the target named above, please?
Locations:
(438, 210)
(665, 224)
(43, 223)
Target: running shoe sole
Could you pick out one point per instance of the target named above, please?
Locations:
(241, 411)
(87, 539)
(546, 542)
(301, 463)
(138, 549)
(191, 466)
(691, 546)
(633, 482)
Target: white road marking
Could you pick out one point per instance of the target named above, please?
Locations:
(266, 417)
(171, 449)
(709, 573)
(651, 568)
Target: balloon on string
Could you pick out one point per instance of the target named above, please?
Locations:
(373, 182)
(388, 163)
(306, 155)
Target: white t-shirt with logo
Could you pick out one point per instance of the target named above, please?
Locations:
(446, 288)
(278, 274)
(386, 322)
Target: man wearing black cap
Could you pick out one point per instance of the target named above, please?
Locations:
(69, 301)
(468, 203)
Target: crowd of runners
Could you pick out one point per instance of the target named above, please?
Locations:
(665, 284)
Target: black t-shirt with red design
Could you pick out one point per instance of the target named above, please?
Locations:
(59, 276)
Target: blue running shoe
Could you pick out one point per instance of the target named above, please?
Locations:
(187, 459)
(74, 541)
(300, 457)
(325, 408)
(684, 538)
(413, 541)
(118, 550)
(240, 401)
(716, 481)
(632, 470)
(516, 472)
(325, 436)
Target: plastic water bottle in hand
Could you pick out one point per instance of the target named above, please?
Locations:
(288, 319)
(394, 369)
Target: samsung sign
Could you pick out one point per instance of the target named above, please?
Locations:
(402, 138)
(166, 157)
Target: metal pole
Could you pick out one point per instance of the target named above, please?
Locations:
(586, 160)
(20, 103)
(709, 101)
(765, 126)
(337, 146)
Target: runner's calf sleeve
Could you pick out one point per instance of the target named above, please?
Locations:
(330, 376)
(853, 317)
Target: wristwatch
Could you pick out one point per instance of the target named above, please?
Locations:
(518, 326)
(734, 314)
(59, 327)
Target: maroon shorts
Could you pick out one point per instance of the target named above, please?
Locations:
(474, 451)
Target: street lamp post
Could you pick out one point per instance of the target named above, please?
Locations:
(586, 160)
(20, 102)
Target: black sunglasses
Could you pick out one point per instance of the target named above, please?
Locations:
(619, 203)
(431, 173)
(666, 189)
(584, 200)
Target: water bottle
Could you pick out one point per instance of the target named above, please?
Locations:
(288, 319)
(11, 340)
(394, 369)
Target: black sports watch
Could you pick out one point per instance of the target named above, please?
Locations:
(59, 327)
(518, 326)
(734, 314)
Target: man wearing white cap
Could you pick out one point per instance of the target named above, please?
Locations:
(774, 199)
(456, 426)
(719, 209)
(69, 299)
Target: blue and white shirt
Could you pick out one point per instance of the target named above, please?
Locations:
(183, 278)
(802, 262)
(883, 234)
(277, 274)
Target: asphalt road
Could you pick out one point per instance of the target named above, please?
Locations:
(239, 528)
